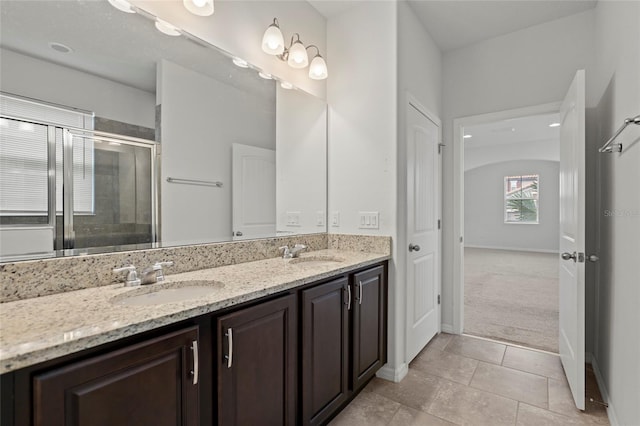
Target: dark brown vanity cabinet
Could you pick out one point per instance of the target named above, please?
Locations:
(295, 357)
(343, 340)
(257, 364)
(325, 349)
(149, 383)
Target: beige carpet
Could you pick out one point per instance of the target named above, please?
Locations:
(512, 296)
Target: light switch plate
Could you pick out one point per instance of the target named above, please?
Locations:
(369, 220)
(335, 219)
(320, 218)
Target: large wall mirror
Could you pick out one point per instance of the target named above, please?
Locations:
(116, 136)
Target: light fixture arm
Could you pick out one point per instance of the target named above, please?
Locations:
(315, 47)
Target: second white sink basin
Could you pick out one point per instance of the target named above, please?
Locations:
(158, 294)
(316, 261)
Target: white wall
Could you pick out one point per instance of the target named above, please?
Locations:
(616, 87)
(484, 207)
(370, 46)
(529, 67)
(237, 27)
(301, 167)
(34, 78)
(548, 150)
(362, 94)
(212, 114)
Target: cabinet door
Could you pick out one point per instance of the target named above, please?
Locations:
(369, 324)
(151, 383)
(257, 364)
(325, 350)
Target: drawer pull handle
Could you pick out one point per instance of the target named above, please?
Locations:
(229, 357)
(348, 297)
(360, 292)
(195, 373)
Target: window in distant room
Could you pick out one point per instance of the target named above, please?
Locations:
(521, 199)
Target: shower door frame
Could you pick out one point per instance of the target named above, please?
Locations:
(68, 132)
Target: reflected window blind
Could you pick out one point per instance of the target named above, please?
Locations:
(23, 158)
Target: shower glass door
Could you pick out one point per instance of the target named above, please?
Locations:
(113, 192)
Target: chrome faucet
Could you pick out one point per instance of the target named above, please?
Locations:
(132, 276)
(288, 253)
(150, 275)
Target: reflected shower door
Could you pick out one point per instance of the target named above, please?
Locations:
(112, 193)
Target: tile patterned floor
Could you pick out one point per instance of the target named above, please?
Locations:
(462, 380)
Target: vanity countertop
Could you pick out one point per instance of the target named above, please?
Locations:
(44, 328)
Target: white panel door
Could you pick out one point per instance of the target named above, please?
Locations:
(572, 240)
(253, 192)
(423, 210)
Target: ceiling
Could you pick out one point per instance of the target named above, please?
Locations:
(118, 46)
(457, 23)
(523, 130)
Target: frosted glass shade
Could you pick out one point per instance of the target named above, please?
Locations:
(166, 28)
(199, 7)
(298, 55)
(272, 40)
(318, 68)
(122, 5)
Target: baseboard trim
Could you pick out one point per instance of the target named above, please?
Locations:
(393, 374)
(447, 328)
(511, 248)
(611, 411)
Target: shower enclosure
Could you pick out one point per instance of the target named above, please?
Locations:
(66, 188)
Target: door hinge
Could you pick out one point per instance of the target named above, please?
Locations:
(439, 223)
(438, 299)
(440, 146)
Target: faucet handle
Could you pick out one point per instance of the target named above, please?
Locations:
(158, 268)
(286, 253)
(132, 275)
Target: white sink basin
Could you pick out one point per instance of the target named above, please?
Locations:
(159, 294)
(316, 261)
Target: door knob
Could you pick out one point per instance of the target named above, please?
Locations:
(569, 256)
(239, 234)
(414, 247)
(593, 258)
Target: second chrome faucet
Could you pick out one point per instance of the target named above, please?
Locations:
(289, 253)
(150, 275)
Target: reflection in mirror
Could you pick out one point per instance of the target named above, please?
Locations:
(132, 107)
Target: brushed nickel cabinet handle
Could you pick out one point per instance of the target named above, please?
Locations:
(360, 292)
(196, 364)
(229, 357)
(349, 298)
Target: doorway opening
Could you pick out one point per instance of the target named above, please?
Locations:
(509, 264)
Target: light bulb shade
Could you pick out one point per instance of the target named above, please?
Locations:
(166, 28)
(122, 5)
(298, 55)
(272, 40)
(318, 68)
(199, 7)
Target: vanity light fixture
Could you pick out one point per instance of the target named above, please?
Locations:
(166, 28)
(296, 54)
(286, 85)
(199, 7)
(122, 5)
(265, 75)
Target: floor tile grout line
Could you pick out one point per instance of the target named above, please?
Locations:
(517, 414)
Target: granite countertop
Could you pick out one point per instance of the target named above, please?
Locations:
(44, 328)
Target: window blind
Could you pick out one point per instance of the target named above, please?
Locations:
(24, 159)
